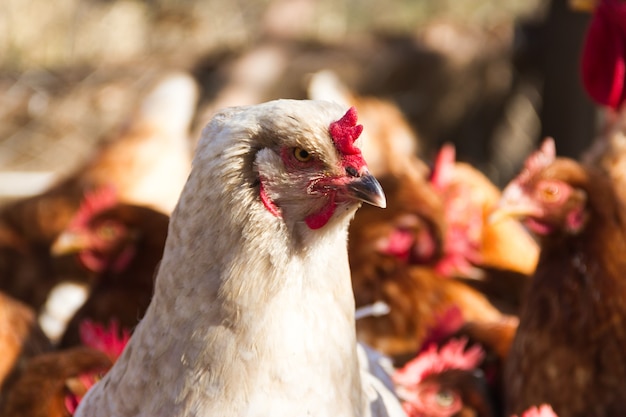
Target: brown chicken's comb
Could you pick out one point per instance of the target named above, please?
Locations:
(443, 169)
(105, 339)
(94, 202)
(538, 160)
(542, 411)
(451, 356)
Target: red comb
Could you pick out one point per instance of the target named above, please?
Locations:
(451, 356)
(603, 64)
(542, 157)
(344, 132)
(446, 324)
(94, 202)
(543, 411)
(537, 161)
(107, 340)
(443, 169)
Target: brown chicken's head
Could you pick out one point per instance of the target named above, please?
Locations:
(445, 382)
(304, 176)
(547, 194)
(99, 237)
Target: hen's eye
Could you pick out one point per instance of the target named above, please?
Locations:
(550, 192)
(107, 232)
(302, 155)
(444, 398)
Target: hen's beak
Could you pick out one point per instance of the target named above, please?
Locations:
(586, 6)
(366, 188)
(514, 204)
(503, 212)
(67, 243)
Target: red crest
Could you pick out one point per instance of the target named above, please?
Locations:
(344, 132)
(95, 201)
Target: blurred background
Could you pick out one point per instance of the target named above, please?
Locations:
(492, 77)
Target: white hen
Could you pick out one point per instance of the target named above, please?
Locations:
(253, 312)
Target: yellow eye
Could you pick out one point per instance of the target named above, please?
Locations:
(444, 398)
(550, 193)
(302, 155)
(107, 231)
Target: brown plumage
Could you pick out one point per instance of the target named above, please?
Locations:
(570, 347)
(127, 243)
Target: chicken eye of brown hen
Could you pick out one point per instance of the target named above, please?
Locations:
(108, 231)
(438, 400)
(552, 192)
(445, 398)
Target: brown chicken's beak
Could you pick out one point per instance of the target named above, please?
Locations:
(509, 212)
(366, 188)
(67, 243)
(514, 204)
(586, 6)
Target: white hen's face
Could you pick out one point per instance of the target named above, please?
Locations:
(308, 176)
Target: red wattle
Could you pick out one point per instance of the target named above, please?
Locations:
(319, 219)
(268, 203)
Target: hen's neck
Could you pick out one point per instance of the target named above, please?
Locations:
(249, 317)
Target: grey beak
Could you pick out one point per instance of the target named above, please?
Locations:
(367, 189)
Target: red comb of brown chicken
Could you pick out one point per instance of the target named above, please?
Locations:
(541, 411)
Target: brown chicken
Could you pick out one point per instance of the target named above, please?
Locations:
(570, 347)
(121, 245)
(147, 163)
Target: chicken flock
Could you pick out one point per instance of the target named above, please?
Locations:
(304, 260)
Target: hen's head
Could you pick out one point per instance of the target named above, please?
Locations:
(548, 195)
(328, 174)
(444, 382)
(103, 238)
(298, 159)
